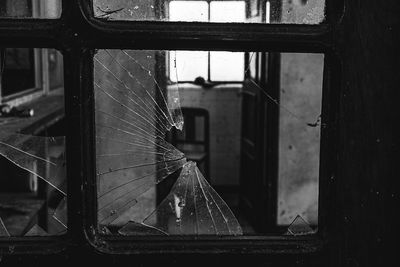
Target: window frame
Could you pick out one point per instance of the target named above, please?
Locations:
(77, 34)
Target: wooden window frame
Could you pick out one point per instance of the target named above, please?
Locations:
(77, 34)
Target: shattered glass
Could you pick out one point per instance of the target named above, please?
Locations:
(137, 107)
(133, 114)
(276, 12)
(36, 230)
(38, 156)
(32, 163)
(30, 153)
(193, 208)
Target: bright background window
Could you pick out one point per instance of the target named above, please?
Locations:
(186, 66)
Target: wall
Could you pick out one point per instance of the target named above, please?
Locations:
(141, 81)
(224, 105)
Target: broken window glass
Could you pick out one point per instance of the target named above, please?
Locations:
(250, 11)
(43, 9)
(33, 183)
(134, 111)
(32, 152)
(150, 183)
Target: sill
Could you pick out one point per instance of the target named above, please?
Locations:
(262, 245)
(222, 86)
(22, 97)
(48, 109)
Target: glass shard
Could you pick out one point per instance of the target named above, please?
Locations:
(299, 227)
(60, 214)
(193, 208)
(3, 229)
(32, 163)
(36, 230)
(31, 154)
(134, 111)
(147, 186)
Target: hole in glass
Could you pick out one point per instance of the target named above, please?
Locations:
(180, 157)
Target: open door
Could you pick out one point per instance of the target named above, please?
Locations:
(259, 136)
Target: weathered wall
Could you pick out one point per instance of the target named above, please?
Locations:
(301, 94)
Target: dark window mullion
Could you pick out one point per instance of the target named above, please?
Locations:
(209, 53)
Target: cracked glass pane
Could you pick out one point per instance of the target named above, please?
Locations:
(193, 208)
(32, 142)
(43, 9)
(3, 229)
(227, 11)
(134, 111)
(178, 156)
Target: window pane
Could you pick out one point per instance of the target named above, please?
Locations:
(185, 159)
(32, 146)
(226, 66)
(187, 65)
(188, 11)
(45, 9)
(285, 11)
(301, 83)
(227, 11)
(19, 62)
